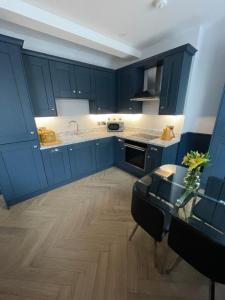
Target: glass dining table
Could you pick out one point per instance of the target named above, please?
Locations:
(166, 185)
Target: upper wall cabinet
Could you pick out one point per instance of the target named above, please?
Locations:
(104, 92)
(176, 70)
(129, 83)
(70, 81)
(16, 116)
(40, 86)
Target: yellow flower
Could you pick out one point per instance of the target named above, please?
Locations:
(194, 160)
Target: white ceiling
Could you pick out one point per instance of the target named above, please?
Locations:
(118, 27)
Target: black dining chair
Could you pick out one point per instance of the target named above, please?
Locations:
(201, 246)
(151, 215)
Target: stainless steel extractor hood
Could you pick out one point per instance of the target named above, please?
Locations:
(152, 85)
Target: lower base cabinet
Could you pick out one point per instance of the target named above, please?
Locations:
(104, 153)
(57, 165)
(21, 171)
(26, 171)
(82, 159)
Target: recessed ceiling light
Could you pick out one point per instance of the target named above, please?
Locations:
(160, 3)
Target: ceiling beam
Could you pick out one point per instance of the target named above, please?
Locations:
(24, 14)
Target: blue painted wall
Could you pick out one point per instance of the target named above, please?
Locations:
(192, 141)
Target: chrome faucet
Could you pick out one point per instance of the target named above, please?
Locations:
(76, 126)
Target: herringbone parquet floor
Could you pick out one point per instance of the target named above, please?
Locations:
(72, 244)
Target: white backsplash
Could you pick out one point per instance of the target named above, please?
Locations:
(78, 110)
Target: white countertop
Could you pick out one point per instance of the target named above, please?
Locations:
(84, 137)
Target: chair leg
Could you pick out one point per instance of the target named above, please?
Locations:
(133, 232)
(176, 263)
(211, 290)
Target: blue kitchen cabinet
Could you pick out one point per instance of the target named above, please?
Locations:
(157, 156)
(40, 86)
(82, 159)
(22, 172)
(176, 70)
(104, 92)
(63, 79)
(129, 84)
(104, 153)
(83, 82)
(16, 116)
(119, 152)
(153, 158)
(71, 81)
(57, 165)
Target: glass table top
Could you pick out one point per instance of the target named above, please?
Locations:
(165, 188)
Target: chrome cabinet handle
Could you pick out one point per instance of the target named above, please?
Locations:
(162, 107)
(52, 109)
(148, 156)
(130, 108)
(97, 144)
(55, 150)
(154, 149)
(32, 132)
(122, 148)
(74, 91)
(99, 108)
(35, 147)
(70, 149)
(79, 92)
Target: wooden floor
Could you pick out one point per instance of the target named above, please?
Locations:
(72, 243)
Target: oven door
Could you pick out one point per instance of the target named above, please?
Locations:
(135, 155)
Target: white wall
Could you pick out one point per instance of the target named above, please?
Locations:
(40, 42)
(190, 36)
(207, 80)
(78, 110)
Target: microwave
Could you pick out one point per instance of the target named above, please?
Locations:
(115, 126)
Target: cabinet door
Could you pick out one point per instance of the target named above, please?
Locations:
(82, 159)
(40, 86)
(129, 83)
(176, 70)
(57, 165)
(16, 116)
(119, 152)
(153, 158)
(21, 171)
(83, 82)
(63, 80)
(104, 91)
(104, 153)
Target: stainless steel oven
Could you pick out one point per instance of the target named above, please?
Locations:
(135, 154)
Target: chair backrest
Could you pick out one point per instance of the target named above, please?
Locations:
(198, 244)
(209, 210)
(215, 188)
(154, 220)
